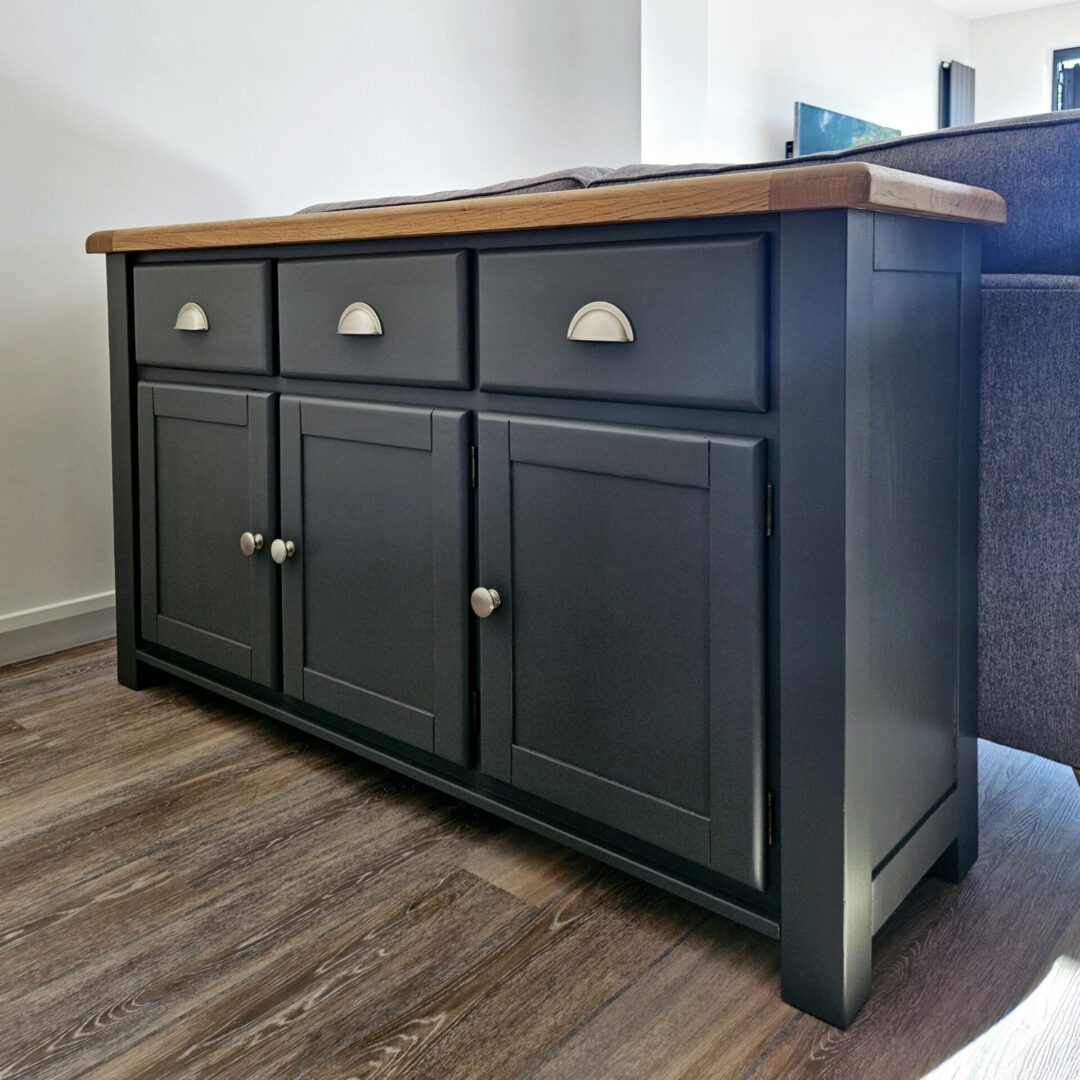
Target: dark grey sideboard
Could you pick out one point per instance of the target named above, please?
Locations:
(643, 517)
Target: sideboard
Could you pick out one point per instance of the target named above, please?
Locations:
(643, 517)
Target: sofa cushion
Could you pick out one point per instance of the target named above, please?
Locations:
(1029, 542)
(1029, 160)
(563, 180)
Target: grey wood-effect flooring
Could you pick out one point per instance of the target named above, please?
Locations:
(188, 889)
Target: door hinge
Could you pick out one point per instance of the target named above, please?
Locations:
(768, 509)
(768, 819)
(472, 466)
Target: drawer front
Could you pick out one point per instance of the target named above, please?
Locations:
(697, 315)
(380, 319)
(210, 316)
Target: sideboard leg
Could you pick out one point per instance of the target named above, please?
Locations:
(963, 851)
(826, 693)
(129, 671)
(132, 673)
(825, 962)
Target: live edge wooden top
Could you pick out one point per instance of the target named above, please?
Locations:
(853, 184)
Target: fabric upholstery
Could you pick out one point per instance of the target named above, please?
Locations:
(563, 180)
(1029, 545)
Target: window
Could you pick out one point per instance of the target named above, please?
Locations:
(1066, 89)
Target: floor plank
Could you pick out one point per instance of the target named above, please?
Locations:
(191, 890)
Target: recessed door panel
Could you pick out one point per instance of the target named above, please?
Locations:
(375, 500)
(205, 481)
(622, 673)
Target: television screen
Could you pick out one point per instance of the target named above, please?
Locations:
(822, 129)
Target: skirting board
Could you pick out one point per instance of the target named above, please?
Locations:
(40, 631)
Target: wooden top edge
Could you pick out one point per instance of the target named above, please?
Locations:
(854, 184)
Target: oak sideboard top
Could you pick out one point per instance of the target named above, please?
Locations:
(856, 184)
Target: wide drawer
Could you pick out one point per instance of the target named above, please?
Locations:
(210, 316)
(382, 319)
(692, 319)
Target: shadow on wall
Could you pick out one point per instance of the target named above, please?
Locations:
(68, 170)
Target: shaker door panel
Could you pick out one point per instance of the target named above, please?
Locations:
(375, 599)
(205, 478)
(622, 674)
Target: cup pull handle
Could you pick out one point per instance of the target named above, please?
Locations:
(600, 321)
(191, 317)
(359, 318)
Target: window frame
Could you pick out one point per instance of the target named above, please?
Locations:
(1060, 56)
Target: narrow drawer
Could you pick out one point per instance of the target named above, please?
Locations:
(380, 319)
(210, 316)
(686, 323)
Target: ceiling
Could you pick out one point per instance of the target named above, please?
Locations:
(977, 9)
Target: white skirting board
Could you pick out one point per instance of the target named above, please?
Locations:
(43, 630)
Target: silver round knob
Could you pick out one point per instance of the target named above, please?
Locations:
(280, 550)
(484, 602)
(251, 542)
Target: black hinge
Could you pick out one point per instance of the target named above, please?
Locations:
(768, 819)
(472, 466)
(474, 711)
(768, 509)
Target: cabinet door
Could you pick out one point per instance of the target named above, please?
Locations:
(622, 673)
(375, 599)
(205, 478)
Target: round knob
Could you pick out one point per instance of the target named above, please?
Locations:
(251, 542)
(484, 602)
(280, 550)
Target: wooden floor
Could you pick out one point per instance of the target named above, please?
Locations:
(187, 889)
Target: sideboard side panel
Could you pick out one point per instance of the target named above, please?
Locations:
(902, 528)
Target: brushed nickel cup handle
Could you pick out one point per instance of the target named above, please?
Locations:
(251, 542)
(484, 602)
(280, 550)
(359, 318)
(600, 321)
(191, 317)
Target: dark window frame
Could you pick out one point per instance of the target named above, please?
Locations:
(1060, 57)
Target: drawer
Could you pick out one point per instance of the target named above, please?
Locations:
(210, 316)
(381, 319)
(697, 320)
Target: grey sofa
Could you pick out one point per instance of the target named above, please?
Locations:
(1029, 548)
(1029, 542)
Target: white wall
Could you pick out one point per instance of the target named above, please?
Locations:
(876, 59)
(124, 112)
(674, 80)
(1013, 58)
